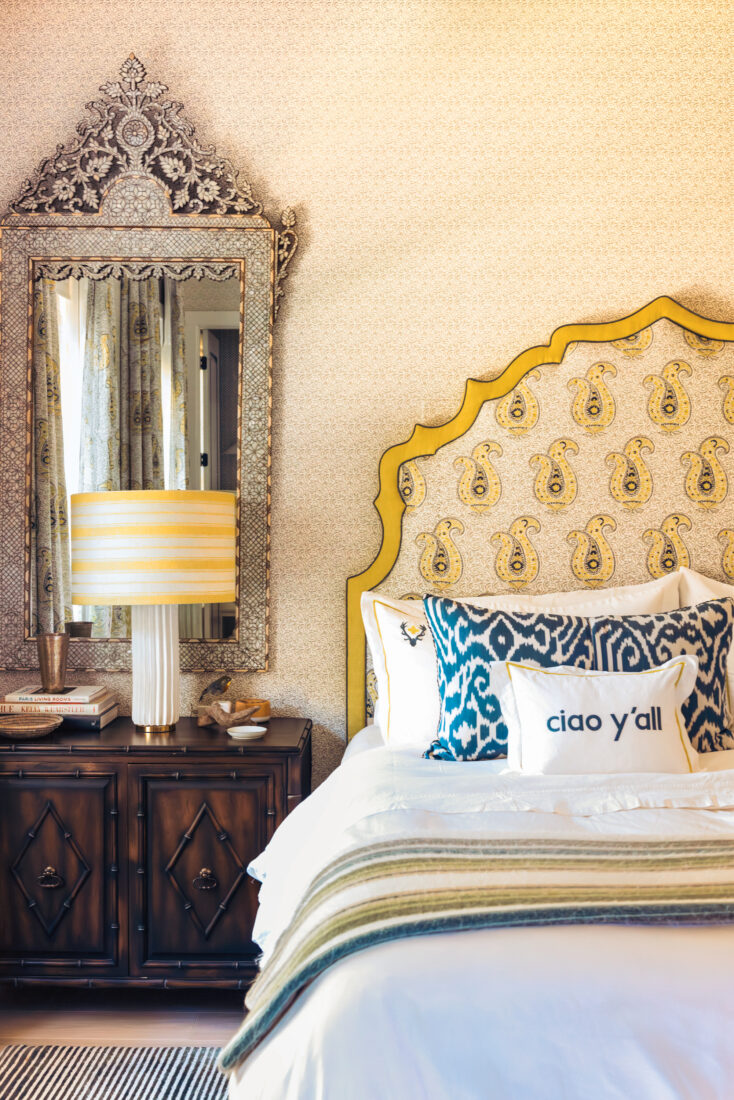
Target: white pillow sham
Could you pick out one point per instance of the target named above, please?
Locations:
(698, 588)
(570, 721)
(404, 659)
(408, 703)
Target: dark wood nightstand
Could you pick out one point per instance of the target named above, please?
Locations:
(124, 855)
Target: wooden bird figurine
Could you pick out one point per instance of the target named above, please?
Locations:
(216, 688)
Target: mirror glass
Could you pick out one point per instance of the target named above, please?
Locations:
(135, 386)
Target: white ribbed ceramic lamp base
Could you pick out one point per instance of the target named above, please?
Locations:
(155, 665)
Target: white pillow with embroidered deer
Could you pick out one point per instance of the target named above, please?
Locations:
(571, 721)
(404, 658)
(407, 690)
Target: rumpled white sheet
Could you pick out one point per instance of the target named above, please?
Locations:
(602, 1011)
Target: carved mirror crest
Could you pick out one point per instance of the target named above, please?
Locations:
(140, 285)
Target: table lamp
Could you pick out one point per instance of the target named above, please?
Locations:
(153, 550)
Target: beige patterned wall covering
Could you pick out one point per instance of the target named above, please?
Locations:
(205, 294)
(467, 176)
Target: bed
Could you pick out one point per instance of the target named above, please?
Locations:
(502, 925)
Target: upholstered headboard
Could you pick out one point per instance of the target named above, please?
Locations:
(603, 458)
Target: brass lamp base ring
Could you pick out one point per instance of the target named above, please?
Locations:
(157, 729)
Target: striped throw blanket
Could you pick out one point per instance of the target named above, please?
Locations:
(410, 887)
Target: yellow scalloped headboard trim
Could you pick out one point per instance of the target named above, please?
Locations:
(426, 441)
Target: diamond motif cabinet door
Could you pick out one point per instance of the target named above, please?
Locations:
(194, 903)
(59, 888)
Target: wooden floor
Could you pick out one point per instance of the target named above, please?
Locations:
(118, 1017)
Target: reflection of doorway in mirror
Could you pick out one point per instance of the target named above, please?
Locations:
(212, 338)
(212, 342)
(218, 378)
(209, 405)
(219, 402)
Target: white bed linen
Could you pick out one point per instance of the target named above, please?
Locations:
(371, 737)
(564, 1012)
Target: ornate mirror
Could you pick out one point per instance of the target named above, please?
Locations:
(140, 284)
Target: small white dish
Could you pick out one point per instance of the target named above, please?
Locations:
(246, 733)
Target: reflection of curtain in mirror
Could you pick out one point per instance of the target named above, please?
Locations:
(50, 557)
(141, 430)
(179, 439)
(190, 619)
(122, 426)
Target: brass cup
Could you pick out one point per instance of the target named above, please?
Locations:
(81, 628)
(52, 654)
(261, 714)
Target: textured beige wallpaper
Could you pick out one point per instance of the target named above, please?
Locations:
(467, 176)
(206, 294)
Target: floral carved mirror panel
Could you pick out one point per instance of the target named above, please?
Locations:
(140, 284)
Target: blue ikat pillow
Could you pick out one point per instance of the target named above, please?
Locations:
(468, 640)
(636, 642)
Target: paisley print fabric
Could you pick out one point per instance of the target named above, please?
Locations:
(637, 642)
(612, 467)
(440, 562)
(468, 640)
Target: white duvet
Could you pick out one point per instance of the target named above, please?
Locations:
(559, 1013)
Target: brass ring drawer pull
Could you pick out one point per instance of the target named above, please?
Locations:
(205, 880)
(49, 879)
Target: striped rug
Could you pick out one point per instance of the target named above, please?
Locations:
(110, 1073)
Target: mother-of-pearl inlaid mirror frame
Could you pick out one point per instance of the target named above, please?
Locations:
(603, 458)
(136, 194)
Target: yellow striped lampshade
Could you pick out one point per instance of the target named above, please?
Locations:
(153, 547)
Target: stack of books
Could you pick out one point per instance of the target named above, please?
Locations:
(82, 708)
